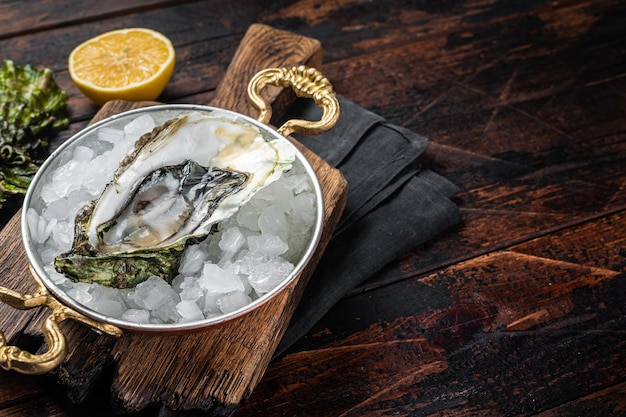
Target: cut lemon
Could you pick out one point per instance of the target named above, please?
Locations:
(127, 64)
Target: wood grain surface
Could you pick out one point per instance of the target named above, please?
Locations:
(518, 311)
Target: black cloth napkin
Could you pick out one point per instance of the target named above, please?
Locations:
(393, 205)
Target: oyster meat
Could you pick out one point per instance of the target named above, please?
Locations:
(178, 183)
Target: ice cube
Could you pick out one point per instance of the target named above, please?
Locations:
(115, 156)
(58, 209)
(32, 218)
(217, 280)
(298, 183)
(233, 301)
(65, 179)
(232, 240)
(268, 245)
(189, 311)
(63, 235)
(139, 126)
(100, 293)
(48, 194)
(111, 135)
(190, 289)
(152, 293)
(108, 307)
(77, 200)
(210, 303)
(265, 276)
(272, 221)
(40, 229)
(248, 216)
(56, 277)
(193, 260)
(276, 194)
(136, 315)
(167, 313)
(126, 297)
(100, 146)
(103, 165)
(176, 282)
(80, 293)
(48, 254)
(303, 209)
(83, 153)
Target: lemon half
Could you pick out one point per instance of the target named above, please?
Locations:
(132, 64)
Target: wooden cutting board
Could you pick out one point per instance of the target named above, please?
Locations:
(214, 370)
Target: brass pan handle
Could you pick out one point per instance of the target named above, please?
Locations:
(307, 83)
(14, 358)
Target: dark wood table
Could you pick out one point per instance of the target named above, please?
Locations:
(521, 308)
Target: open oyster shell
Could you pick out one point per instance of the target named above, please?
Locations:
(179, 182)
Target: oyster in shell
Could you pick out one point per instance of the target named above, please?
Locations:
(178, 183)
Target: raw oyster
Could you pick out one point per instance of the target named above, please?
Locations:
(179, 182)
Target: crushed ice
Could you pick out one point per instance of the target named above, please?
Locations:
(252, 252)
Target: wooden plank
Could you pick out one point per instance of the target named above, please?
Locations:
(14, 274)
(203, 49)
(45, 16)
(44, 406)
(607, 402)
(506, 212)
(532, 150)
(16, 388)
(507, 333)
(564, 157)
(598, 244)
(451, 106)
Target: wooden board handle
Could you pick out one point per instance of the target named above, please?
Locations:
(264, 47)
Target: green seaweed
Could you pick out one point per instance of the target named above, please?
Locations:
(32, 110)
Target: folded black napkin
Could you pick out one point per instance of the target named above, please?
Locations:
(393, 205)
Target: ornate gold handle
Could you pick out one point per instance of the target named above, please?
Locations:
(12, 357)
(305, 82)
